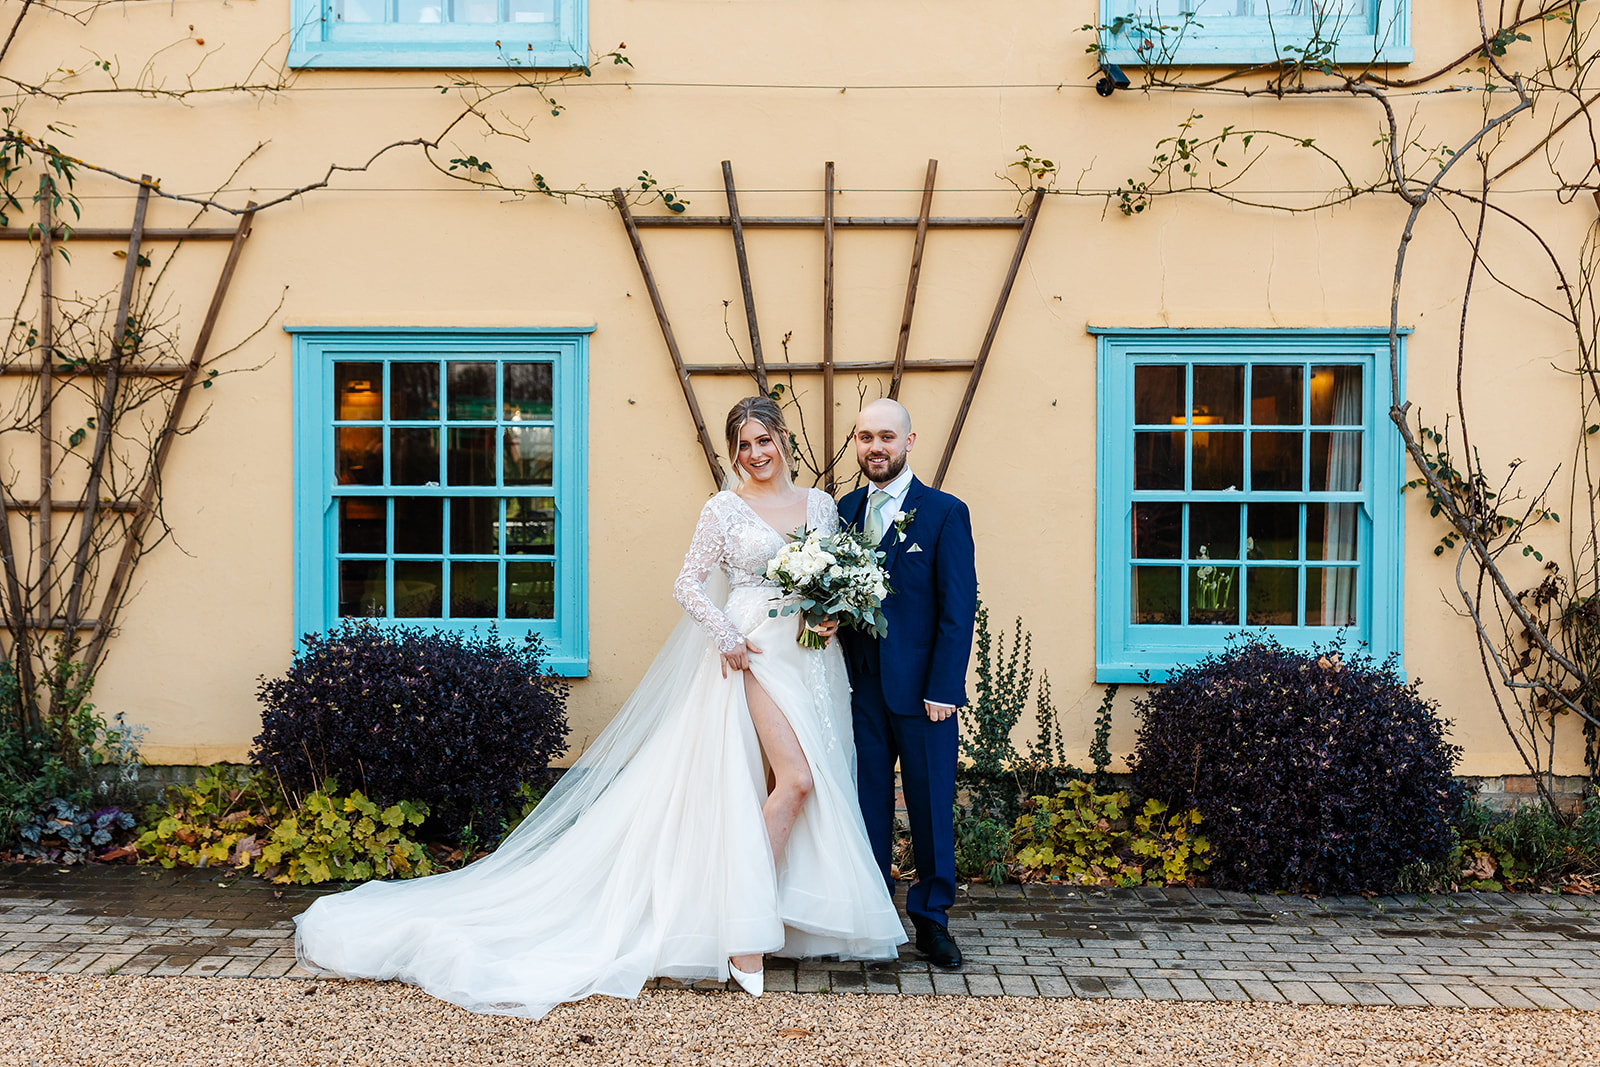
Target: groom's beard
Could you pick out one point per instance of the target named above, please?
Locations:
(891, 469)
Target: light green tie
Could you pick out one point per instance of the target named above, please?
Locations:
(875, 504)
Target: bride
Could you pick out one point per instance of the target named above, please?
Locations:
(661, 851)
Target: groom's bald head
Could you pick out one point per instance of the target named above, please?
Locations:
(886, 412)
(883, 436)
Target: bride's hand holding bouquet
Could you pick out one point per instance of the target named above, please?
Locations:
(838, 576)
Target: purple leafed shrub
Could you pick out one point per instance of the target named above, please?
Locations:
(1317, 771)
(457, 721)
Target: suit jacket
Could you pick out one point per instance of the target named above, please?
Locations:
(930, 610)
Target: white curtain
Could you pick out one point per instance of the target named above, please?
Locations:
(1344, 475)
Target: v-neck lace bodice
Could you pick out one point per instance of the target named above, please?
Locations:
(730, 535)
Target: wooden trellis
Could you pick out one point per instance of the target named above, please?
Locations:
(30, 618)
(828, 222)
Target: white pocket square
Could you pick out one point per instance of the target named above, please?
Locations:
(914, 548)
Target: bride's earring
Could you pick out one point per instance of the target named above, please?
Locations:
(750, 982)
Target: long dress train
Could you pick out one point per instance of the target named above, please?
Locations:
(649, 857)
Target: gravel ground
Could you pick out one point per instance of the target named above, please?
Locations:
(46, 1020)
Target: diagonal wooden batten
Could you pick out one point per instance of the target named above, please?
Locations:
(828, 481)
(911, 283)
(988, 337)
(108, 398)
(649, 277)
(140, 519)
(47, 358)
(744, 277)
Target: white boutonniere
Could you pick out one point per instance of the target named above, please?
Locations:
(901, 520)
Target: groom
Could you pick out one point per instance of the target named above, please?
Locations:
(908, 684)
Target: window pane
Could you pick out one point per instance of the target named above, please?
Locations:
(1336, 396)
(1213, 531)
(1218, 460)
(418, 525)
(1275, 395)
(1157, 395)
(421, 11)
(533, 10)
(414, 456)
(1336, 461)
(472, 457)
(473, 522)
(358, 10)
(1213, 596)
(1331, 531)
(1330, 596)
(527, 391)
(360, 455)
(1276, 462)
(1155, 596)
(1158, 460)
(418, 589)
(530, 590)
(476, 11)
(1273, 597)
(474, 590)
(1218, 394)
(362, 524)
(529, 455)
(1157, 531)
(361, 587)
(358, 391)
(471, 390)
(530, 524)
(1274, 532)
(413, 390)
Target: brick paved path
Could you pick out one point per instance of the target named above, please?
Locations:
(1473, 949)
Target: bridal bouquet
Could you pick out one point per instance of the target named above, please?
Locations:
(838, 575)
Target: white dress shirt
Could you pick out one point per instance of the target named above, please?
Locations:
(897, 489)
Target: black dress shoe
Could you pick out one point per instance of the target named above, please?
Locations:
(934, 941)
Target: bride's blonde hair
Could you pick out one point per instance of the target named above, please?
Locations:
(765, 411)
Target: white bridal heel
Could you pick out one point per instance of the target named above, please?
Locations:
(749, 981)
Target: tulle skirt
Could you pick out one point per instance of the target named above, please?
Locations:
(650, 857)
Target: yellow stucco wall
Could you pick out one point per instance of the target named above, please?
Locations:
(777, 87)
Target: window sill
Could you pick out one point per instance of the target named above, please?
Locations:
(368, 55)
(1248, 53)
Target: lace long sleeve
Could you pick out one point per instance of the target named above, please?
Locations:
(705, 552)
(826, 512)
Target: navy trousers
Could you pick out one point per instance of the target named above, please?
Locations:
(927, 754)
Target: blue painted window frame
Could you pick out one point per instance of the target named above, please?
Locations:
(1130, 653)
(316, 349)
(317, 40)
(1383, 35)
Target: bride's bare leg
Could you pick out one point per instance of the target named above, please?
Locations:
(790, 777)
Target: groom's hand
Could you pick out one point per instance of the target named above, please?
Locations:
(938, 712)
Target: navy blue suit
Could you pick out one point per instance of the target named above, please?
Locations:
(923, 657)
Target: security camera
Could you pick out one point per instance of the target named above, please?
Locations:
(1111, 79)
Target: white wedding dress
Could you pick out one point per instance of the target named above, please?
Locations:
(650, 857)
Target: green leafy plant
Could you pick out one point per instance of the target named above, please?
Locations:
(221, 820)
(982, 847)
(1086, 838)
(345, 838)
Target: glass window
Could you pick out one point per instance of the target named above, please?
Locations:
(1249, 32)
(441, 480)
(1246, 481)
(439, 33)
